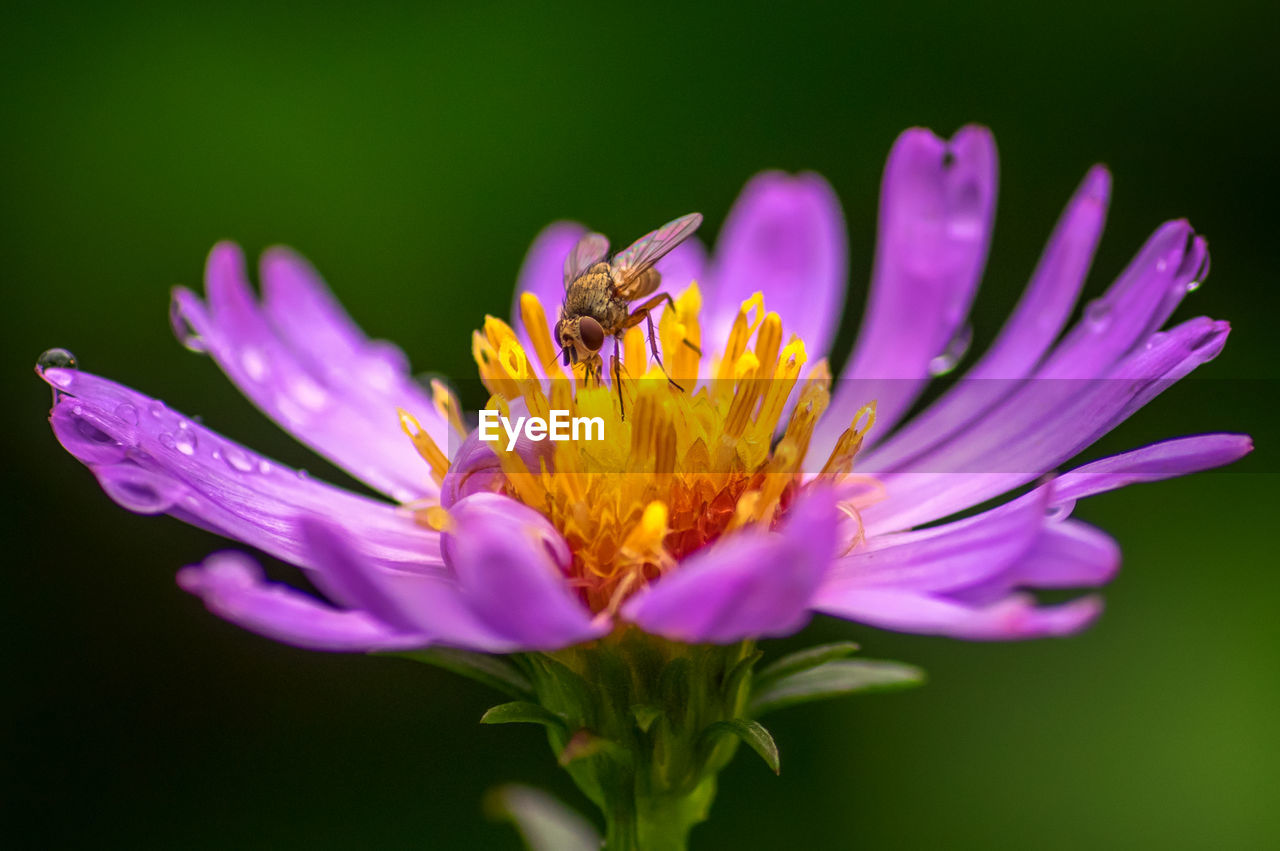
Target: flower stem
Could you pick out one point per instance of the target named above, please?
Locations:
(639, 716)
(657, 823)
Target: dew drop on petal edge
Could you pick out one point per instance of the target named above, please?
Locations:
(56, 359)
(182, 329)
(953, 353)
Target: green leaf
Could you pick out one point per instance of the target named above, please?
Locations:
(751, 732)
(494, 671)
(544, 823)
(523, 712)
(833, 679)
(810, 657)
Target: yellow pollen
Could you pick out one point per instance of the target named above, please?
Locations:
(722, 451)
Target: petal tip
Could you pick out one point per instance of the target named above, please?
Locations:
(1097, 183)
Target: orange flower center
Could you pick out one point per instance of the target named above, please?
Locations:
(694, 458)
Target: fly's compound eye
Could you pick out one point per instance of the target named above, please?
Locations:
(591, 333)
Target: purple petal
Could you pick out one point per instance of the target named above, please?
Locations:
(510, 564)
(752, 584)
(1067, 554)
(233, 587)
(936, 210)
(1165, 460)
(373, 373)
(153, 460)
(1012, 618)
(785, 237)
(542, 274)
(1037, 428)
(944, 558)
(333, 392)
(475, 467)
(432, 605)
(1034, 324)
(1139, 302)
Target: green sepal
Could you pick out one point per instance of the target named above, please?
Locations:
(544, 823)
(645, 714)
(751, 732)
(803, 660)
(493, 671)
(585, 743)
(737, 675)
(524, 712)
(833, 679)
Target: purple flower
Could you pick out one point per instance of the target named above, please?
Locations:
(728, 510)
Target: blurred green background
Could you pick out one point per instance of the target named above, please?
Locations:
(412, 151)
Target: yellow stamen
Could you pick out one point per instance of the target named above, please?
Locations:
(634, 356)
(447, 405)
(741, 332)
(427, 448)
(535, 325)
(436, 518)
(840, 461)
(681, 335)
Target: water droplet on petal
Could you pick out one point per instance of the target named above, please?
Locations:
(381, 364)
(167, 441)
(291, 410)
(55, 359)
(184, 331)
(1061, 510)
(952, 354)
(128, 413)
(185, 441)
(1097, 314)
(264, 467)
(1192, 286)
(255, 365)
(238, 460)
(303, 474)
(140, 490)
(309, 394)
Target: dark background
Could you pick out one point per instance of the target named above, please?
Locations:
(412, 151)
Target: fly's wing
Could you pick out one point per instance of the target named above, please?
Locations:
(631, 264)
(591, 249)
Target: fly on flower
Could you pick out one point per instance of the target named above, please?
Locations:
(598, 293)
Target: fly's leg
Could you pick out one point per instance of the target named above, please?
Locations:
(645, 313)
(616, 365)
(634, 319)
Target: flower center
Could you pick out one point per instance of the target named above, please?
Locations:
(683, 460)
